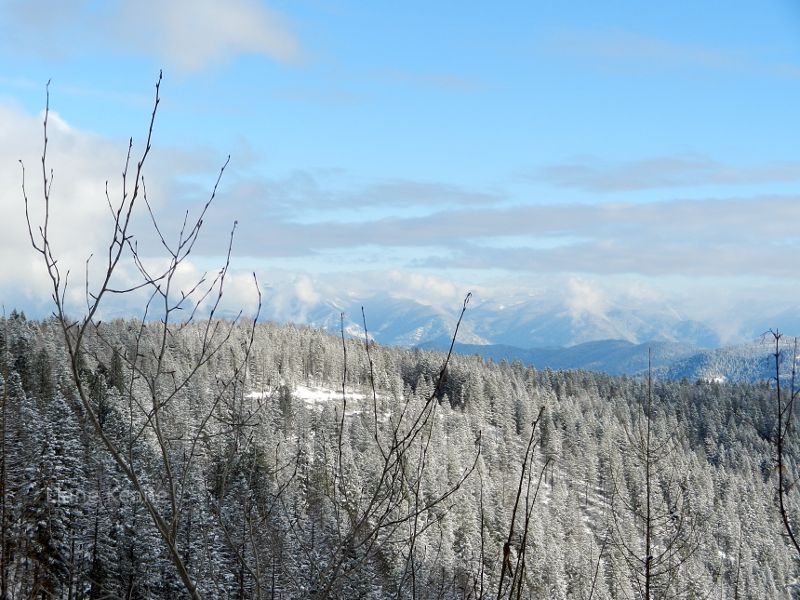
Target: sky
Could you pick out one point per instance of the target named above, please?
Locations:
(627, 153)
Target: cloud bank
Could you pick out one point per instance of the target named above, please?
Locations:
(416, 239)
(189, 35)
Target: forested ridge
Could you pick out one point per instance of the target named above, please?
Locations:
(517, 482)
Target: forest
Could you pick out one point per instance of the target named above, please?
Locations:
(293, 463)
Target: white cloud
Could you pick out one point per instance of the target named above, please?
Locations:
(695, 239)
(189, 35)
(585, 297)
(80, 163)
(80, 223)
(195, 34)
(425, 288)
(304, 290)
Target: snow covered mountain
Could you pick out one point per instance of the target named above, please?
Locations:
(525, 324)
(549, 334)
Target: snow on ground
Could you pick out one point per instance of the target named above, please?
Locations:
(313, 395)
(318, 396)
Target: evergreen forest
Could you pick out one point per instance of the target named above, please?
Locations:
(293, 463)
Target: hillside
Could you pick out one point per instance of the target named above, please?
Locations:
(750, 363)
(321, 471)
(615, 357)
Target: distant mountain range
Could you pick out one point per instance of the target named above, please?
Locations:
(552, 336)
(670, 360)
(616, 357)
(523, 324)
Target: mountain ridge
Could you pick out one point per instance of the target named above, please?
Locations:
(548, 334)
(532, 323)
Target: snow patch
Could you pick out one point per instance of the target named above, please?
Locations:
(313, 395)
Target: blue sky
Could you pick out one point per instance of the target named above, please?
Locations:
(648, 151)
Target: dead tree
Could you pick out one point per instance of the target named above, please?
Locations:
(784, 413)
(152, 387)
(519, 542)
(392, 510)
(654, 533)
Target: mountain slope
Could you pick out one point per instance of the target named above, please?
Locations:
(615, 357)
(528, 324)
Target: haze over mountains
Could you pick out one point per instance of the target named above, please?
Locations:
(548, 334)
